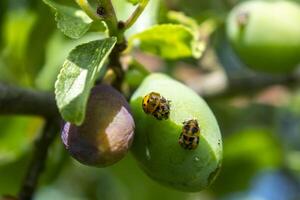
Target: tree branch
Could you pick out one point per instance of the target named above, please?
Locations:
(135, 15)
(107, 12)
(38, 160)
(116, 29)
(87, 8)
(15, 100)
(246, 85)
(116, 66)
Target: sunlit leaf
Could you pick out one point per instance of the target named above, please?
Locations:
(73, 22)
(170, 41)
(57, 50)
(77, 77)
(134, 2)
(181, 18)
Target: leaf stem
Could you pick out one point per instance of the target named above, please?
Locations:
(135, 15)
(87, 8)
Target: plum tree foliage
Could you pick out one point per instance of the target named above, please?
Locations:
(97, 61)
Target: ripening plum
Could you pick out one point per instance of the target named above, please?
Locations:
(107, 131)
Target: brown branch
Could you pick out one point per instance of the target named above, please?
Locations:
(116, 66)
(106, 11)
(223, 87)
(38, 160)
(15, 100)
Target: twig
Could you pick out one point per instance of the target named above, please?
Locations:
(116, 66)
(15, 100)
(246, 85)
(109, 16)
(116, 28)
(38, 160)
(84, 5)
(135, 15)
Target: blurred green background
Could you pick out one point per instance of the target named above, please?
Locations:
(261, 129)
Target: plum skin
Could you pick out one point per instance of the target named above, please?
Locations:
(266, 35)
(156, 144)
(107, 132)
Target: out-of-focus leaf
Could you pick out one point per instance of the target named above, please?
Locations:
(73, 22)
(181, 18)
(170, 41)
(3, 8)
(57, 158)
(78, 75)
(149, 190)
(16, 31)
(134, 2)
(52, 192)
(135, 74)
(44, 26)
(16, 135)
(15, 39)
(16, 138)
(202, 9)
(58, 48)
(147, 19)
(245, 153)
(91, 183)
(12, 174)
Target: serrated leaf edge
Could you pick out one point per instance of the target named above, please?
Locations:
(56, 14)
(63, 68)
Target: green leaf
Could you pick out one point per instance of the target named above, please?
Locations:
(181, 18)
(170, 41)
(17, 133)
(73, 22)
(252, 149)
(16, 32)
(134, 2)
(58, 48)
(147, 19)
(77, 77)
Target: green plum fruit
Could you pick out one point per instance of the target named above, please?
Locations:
(157, 144)
(266, 34)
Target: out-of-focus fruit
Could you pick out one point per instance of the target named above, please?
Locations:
(107, 131)
(157, 142)
(266, 34)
